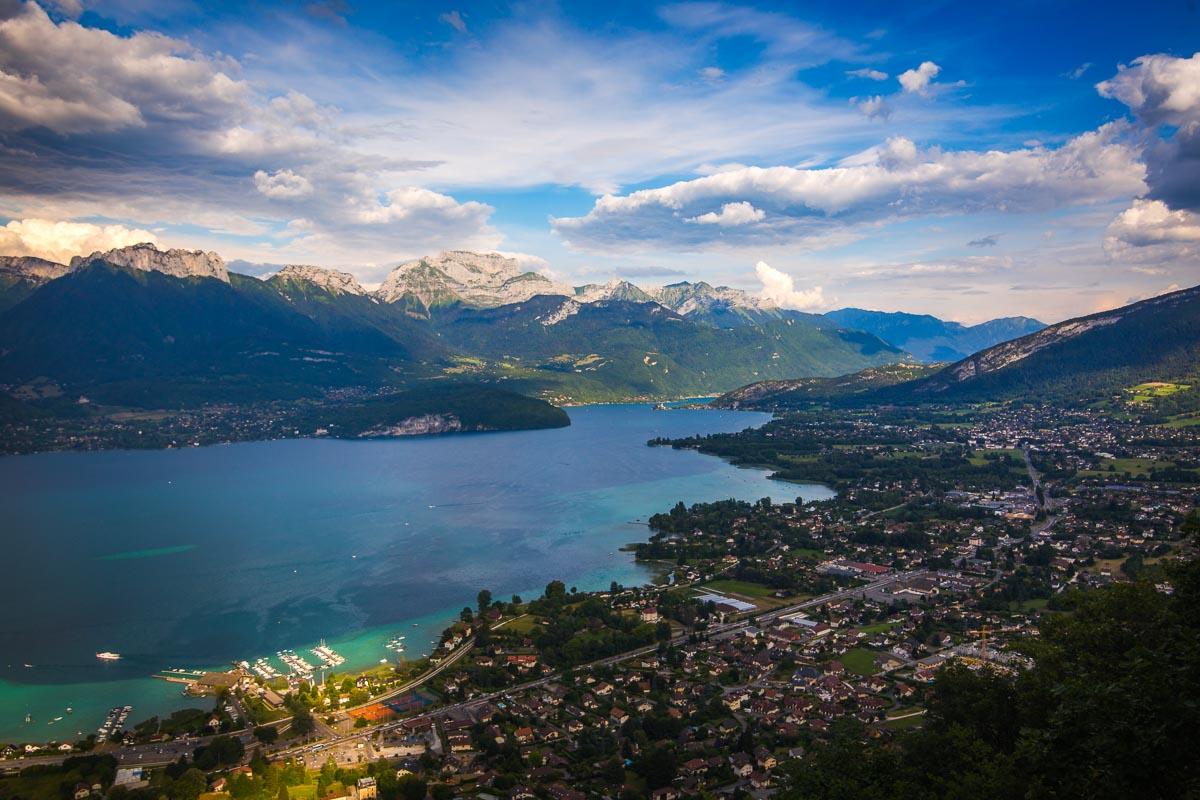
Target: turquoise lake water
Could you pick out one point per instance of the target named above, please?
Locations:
(201, 557)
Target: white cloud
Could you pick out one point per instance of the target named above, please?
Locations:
(731, 214)
(1163, 92)
(712, 74)
(779, 289)
(60, 240)
(413, 202)
(283, 184)
(1150, 232)
(874, 107)
(871, 74)
(917, 80)
(74, 79)
(1158, 88)
(894, 181)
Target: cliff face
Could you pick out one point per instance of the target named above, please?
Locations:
(483, 280)
(147, 257)
(31, 269)
(417, 426)
(330, 280)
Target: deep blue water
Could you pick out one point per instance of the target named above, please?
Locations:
(203, 556)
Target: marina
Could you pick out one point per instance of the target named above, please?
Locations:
(300, 668)
(114, 723)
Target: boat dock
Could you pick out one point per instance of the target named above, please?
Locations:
(328, 657)
(113, 723)
(300, 667)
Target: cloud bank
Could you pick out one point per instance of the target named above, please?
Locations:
(59, 241)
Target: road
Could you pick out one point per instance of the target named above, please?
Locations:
(1047, 503)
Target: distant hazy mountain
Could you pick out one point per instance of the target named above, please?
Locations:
(144, 327)
(931, 339)
(1153, 339)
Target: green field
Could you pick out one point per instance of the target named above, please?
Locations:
(978, 458)
(523, 624)
(1134, 466)
(1145, 392)
(755, 591)
(859, 661)
(878, 627)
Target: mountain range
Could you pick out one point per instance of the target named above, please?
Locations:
(145, 327)
(1084, 359)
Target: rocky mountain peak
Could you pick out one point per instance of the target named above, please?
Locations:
(32, 269)
(686, 297)
(616, 289)
(328, 279)
(174, 262)
(485, 280)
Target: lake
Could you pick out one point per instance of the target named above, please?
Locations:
(205, 556)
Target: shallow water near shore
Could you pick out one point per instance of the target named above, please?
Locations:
(201, 557)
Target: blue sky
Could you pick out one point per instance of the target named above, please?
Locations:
(957, 159)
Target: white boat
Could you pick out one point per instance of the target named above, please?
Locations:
(107, 656)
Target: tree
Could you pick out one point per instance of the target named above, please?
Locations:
(267, 734)
(556, 590)
(484, 600)
(466, 615)
(410, 787)
(283, 792)
(189, 785)
(302, 721)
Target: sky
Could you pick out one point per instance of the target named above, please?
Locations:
(960, 159)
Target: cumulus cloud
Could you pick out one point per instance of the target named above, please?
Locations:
(984, 241)
(731, 214)
(894, 181)
(282, 184)
(1149, 231)
(874, 107)
(1163, 92)
(779, 289)
(916, 81)
(712, 74)
(1158, 88)
(412, 203)
(57, 240)
(73, 79)
(871, 74)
